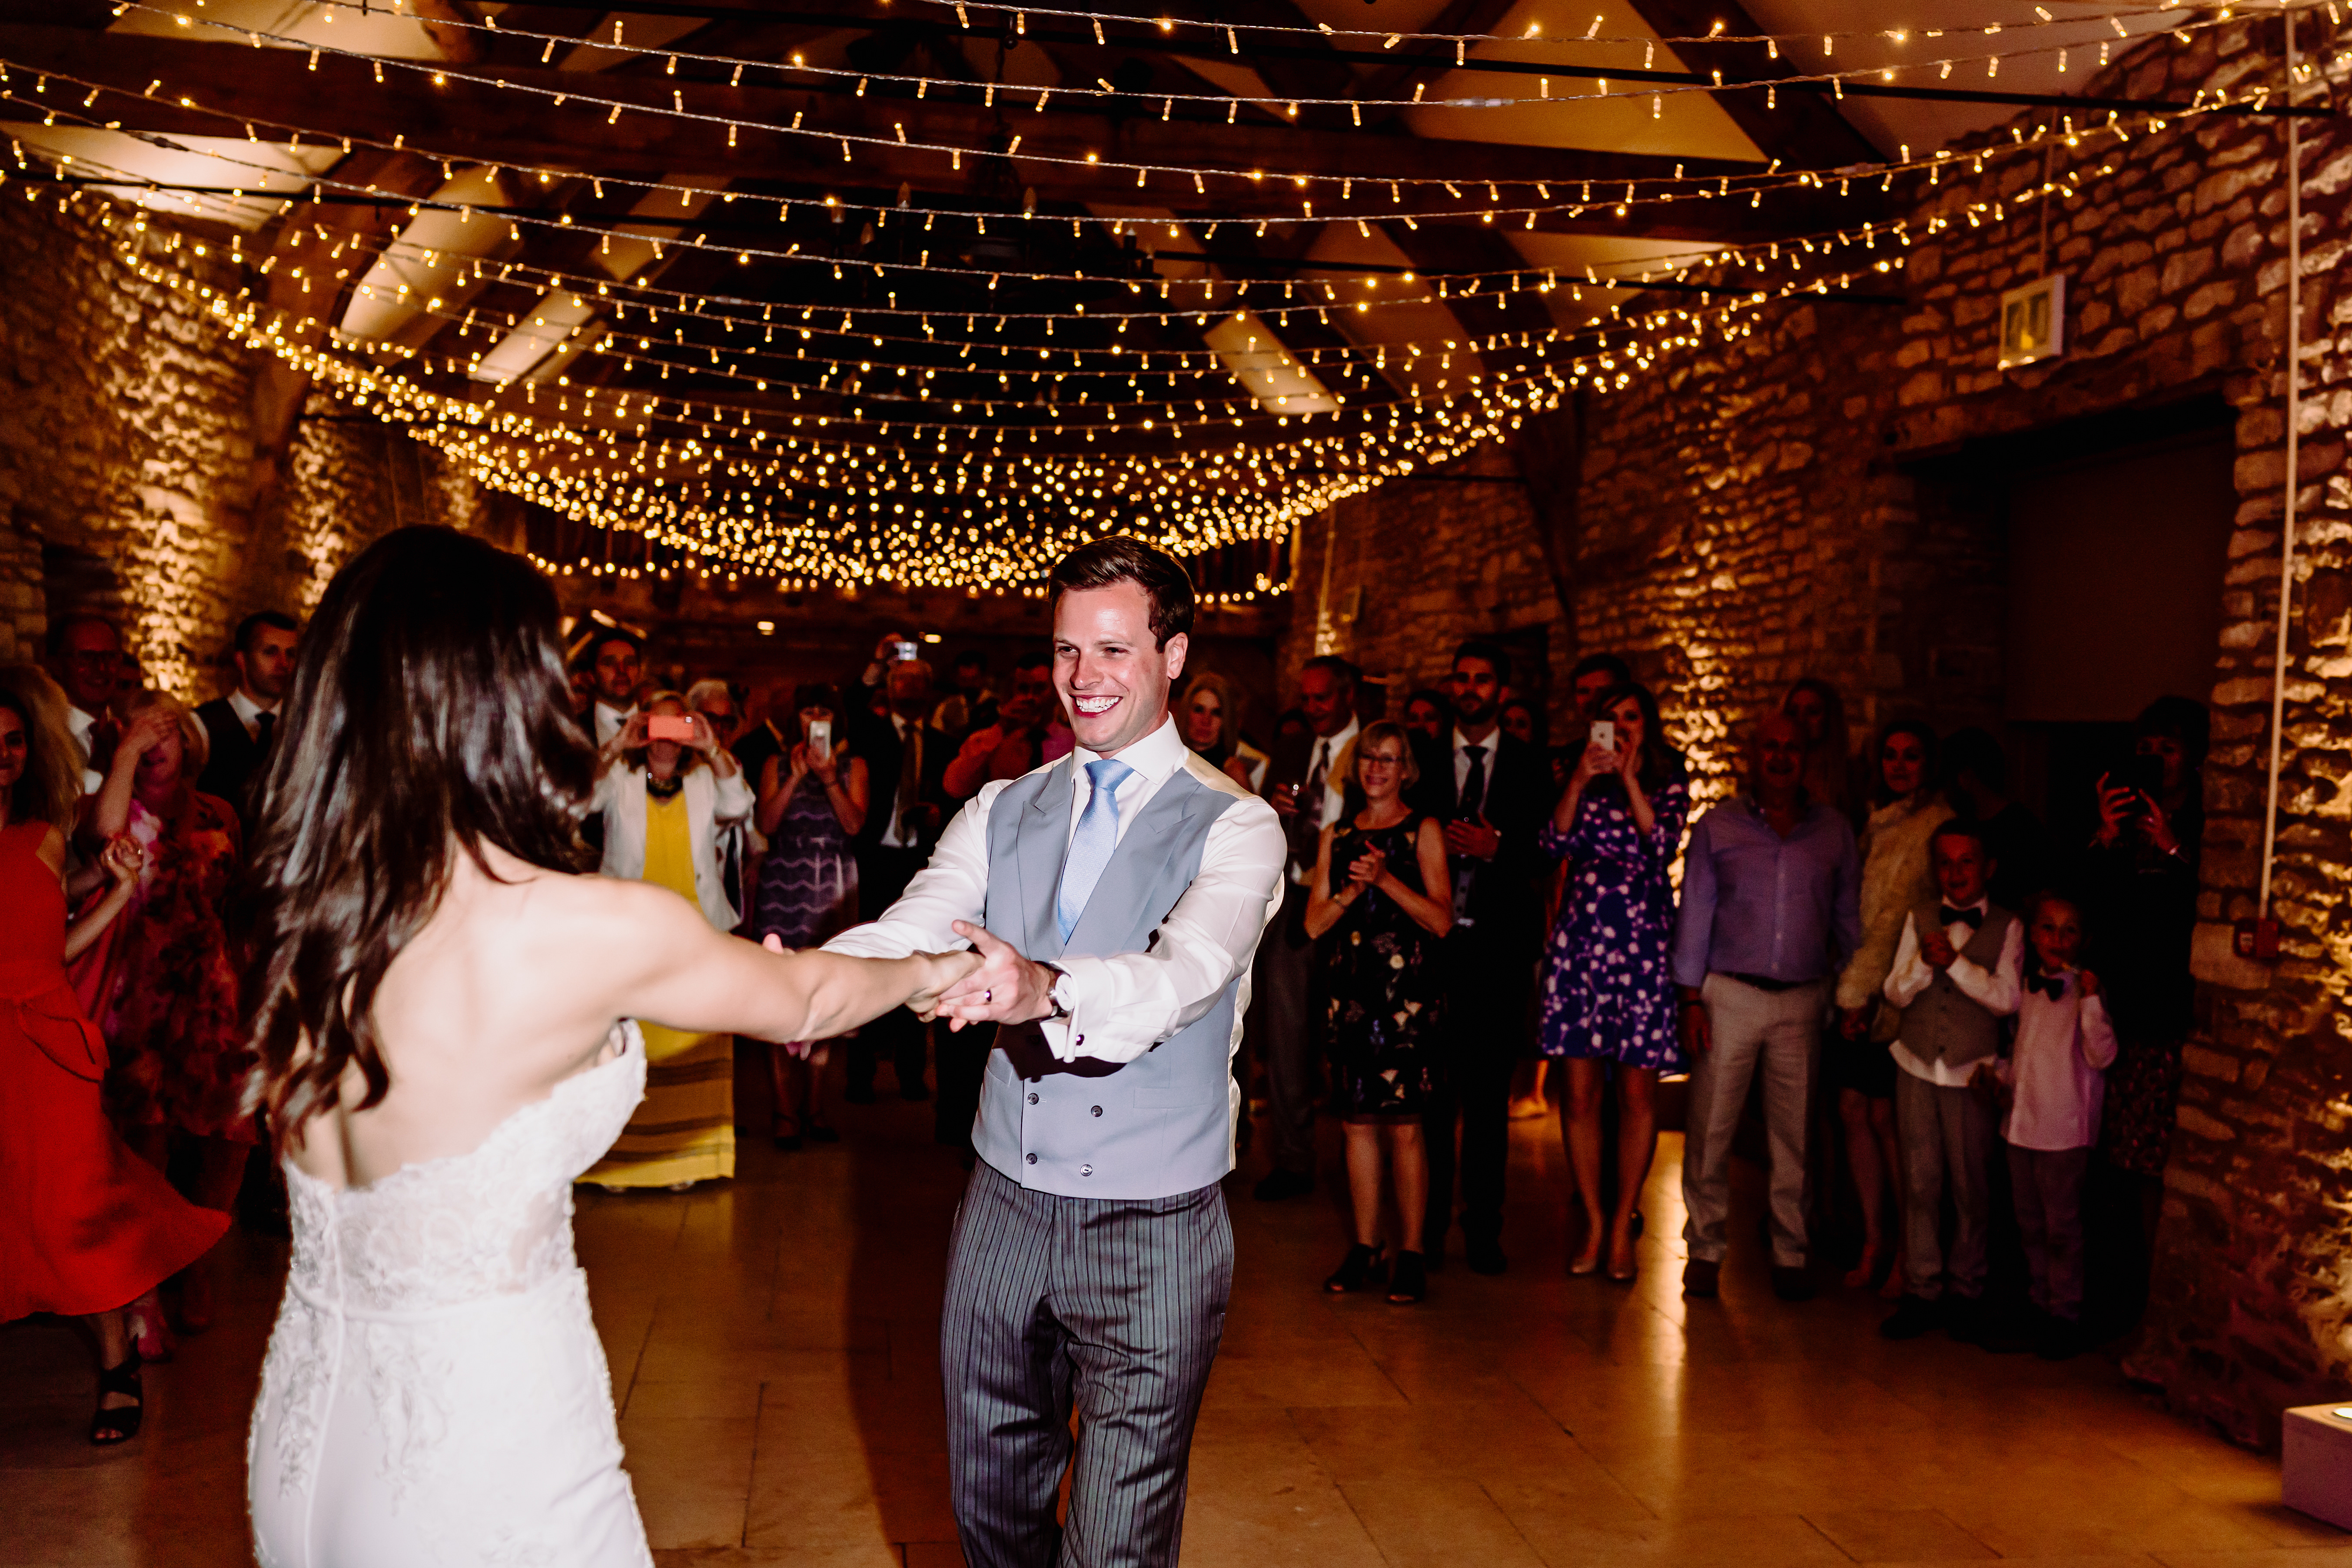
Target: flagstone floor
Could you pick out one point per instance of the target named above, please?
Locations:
(773, 1345)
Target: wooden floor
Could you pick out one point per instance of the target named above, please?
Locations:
(772, 1343)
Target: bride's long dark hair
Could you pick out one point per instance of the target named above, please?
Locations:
(428, 715)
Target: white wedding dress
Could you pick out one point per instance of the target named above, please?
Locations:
(435, 1391)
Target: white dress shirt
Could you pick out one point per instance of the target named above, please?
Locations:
(80, 724)
(248, 712)
(1327, 753)
(1124, 1004)
(2063, 1046)
(608, 722)
(1462, 760)
(1995, 990)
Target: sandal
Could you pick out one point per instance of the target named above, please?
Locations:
(1410, 1285)
(1363, 1266)
(117, 1424)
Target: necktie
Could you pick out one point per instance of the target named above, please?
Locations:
(2051, 985)
(910, 783)
(1972, 919)
(1474, 785)
(1306, 826)
(1091, 846)
(264, 726)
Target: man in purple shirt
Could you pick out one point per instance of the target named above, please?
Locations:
(1771, 905)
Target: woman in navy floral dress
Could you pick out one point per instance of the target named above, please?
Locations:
(1609, 994)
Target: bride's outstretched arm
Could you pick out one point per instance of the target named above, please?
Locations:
(659, 960)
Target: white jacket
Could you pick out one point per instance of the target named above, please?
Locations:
(711, 803)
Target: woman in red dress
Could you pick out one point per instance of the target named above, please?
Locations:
(163, 989)
(86, 1226)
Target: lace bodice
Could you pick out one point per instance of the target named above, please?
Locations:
(496, 1220)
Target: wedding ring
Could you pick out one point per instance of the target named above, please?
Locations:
(987, 996)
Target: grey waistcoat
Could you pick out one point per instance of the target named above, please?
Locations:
(1155, 1127)
(1942, 1024)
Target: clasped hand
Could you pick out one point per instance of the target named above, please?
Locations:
(1002, 988)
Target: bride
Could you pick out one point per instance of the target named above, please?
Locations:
(440, 1003)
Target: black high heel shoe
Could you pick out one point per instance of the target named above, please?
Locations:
(1361, 1268)
(119, 1424)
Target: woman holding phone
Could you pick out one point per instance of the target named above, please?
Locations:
(441, 1004)
(812, 801)
(1609, 1000)
(669, 791)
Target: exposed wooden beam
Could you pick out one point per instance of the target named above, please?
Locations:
(232, 83)
(1506, 314)
(1425, 62)
(1804, 129)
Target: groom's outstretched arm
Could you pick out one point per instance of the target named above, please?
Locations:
(953, 887)
(1123, 1004)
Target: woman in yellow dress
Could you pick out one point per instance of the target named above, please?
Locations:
(665, 803)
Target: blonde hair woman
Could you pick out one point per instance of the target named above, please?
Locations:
(667, 803)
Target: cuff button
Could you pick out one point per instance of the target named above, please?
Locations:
(1086, 1170)
(1098, 1110)
(1031, 1158)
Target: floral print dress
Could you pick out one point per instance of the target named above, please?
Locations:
(1382, 987)
(1608, 987)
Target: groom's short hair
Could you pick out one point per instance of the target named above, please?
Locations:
(1117, 557)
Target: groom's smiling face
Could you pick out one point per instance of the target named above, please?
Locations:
(1112, 676)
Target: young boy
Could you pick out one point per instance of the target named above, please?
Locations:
(2065, 1043)
(1956, 976)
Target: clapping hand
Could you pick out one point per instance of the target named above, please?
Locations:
(1475, 838)
(1367, 870)
(1937, 949)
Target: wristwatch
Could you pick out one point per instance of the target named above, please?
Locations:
(1061, 1011)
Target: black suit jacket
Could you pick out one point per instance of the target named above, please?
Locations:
(884, 752)
(1288, 765)
(234, 759)
(1504, 906)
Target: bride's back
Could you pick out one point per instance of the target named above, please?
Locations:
(429, 963)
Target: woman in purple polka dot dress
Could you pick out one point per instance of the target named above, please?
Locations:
(1609, 993)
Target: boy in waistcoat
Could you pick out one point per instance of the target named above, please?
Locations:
(1956, 978)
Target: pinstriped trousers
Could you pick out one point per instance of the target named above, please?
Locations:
(1113, 1308)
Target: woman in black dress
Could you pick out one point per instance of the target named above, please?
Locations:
(1382, 899)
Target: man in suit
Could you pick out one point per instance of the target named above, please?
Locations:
(242, 723)
(86, 658)
(1092, 1258)
(906, 761)
(615, 663)
(1493, 790)
(1311, 782)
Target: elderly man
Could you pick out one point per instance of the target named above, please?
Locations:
(86, 656)
(1771, 906)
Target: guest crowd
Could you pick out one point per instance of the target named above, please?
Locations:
(1962, 1034)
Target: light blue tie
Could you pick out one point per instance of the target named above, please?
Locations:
(1091, 846)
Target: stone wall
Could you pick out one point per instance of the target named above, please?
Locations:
(128, 478)
(1785, 503)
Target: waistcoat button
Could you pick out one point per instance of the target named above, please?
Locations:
(1086, 1170)
(1032, 1099)
(1098, 1110)
(1031, 1158)
(1082, 1039)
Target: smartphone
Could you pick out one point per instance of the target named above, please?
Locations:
(1604, 734)
(902, 650)
(820, 741)
(668, 727)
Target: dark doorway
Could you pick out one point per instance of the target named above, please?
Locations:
(2113, 537)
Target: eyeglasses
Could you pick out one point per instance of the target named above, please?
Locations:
(1373, 759)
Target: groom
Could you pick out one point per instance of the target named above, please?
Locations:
(1092, 1258)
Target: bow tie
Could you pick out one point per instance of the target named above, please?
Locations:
(2051, 985)
(1972, 919)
